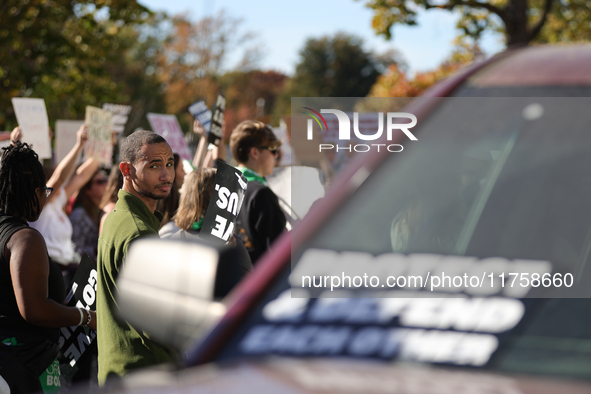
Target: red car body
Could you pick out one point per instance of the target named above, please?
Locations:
(537, 71)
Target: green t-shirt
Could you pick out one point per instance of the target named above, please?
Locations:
(121, 347)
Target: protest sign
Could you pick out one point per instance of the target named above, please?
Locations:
(4, 144)
(100, 144)
(32, 119)
(65, 137)
(120, 116)
(77, 343)
(168, 127)
(201, 113)
(297, 188)
(215, 130)
(224, 206)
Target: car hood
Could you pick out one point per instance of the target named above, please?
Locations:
(287, 375)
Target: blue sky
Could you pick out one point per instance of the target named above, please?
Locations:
(282, 27)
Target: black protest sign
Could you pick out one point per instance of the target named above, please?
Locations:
(215, 130)
(84, 284)
(77, 343)
(201, 113)
(224, 206)
(120, 116)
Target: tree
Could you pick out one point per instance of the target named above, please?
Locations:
(242, 91)
(395, 83)
(135, 71)
(521, 21)
(333, 66)
(336, 66)
(569, 21)
(195, 55)
(60, 50)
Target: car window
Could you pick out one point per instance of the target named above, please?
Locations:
(482, 180)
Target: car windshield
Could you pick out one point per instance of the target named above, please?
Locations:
(488, 177)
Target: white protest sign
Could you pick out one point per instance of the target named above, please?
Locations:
(65, 137)
(297, 187)
(32, 119)
(4, 144)
(168, 127)
(120, 115)
(99, 145)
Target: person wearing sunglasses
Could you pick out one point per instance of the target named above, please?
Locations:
(261, 220)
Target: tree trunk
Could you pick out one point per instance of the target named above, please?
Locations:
(516, 23)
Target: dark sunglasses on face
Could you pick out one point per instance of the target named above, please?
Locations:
(101, 181)
(273, 151)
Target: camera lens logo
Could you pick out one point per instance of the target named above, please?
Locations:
(392, 124)
(315, 117)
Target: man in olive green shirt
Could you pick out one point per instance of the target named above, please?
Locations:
(147, 165)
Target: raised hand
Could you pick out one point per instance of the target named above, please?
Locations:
(16, 134)
(82, 135)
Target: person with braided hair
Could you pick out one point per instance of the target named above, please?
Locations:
(32, 290)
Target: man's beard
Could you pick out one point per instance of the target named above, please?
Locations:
(151, 195)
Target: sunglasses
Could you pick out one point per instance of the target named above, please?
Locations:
(274, 151)
(101, 181)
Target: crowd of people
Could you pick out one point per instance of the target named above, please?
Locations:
(47, 221)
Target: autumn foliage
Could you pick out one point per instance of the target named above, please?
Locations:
(396, 83)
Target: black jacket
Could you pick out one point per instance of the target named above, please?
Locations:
(261, 219)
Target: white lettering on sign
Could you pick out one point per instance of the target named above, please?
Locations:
(447, 347)
(89, 292)
(220, 226)
(477, 314)
(408, 344)
(241, 182)
(227, 200)
(295, 340)
(492, 315)
(117, 109)
(285, 308)
(73, 354)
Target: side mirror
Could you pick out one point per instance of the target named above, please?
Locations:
(166, 288)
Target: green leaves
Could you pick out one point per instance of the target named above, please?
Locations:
(519, 20)
(336, 66)
(65, 52)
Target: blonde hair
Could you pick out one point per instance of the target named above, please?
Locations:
(197, 190)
